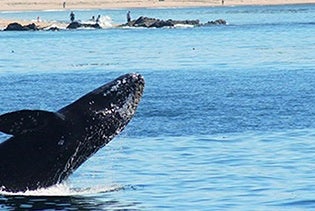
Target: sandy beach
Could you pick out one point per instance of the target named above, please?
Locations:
(33, 5)
(21, 5)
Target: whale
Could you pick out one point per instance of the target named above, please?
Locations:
(45, 147)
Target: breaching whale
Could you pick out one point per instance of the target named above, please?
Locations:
(46, 147)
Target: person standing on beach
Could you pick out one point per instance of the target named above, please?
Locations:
(64, 5)
(128, 17)
(72, 17)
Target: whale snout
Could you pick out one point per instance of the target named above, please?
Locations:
(128, 90)
(126, 87)
(134, 79)
(118, 99)
(129, 81)
(138, 81)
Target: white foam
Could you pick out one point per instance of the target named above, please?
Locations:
(64, 190)
(106, 22)
(184, 26)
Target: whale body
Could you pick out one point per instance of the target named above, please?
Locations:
(46, 147)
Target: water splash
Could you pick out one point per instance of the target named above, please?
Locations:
(103, 21)
(106, 22)
(64, 189)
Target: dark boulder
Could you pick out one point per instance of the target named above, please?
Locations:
(187, 22)
(31, 26)
(18, 27)
(162, 23)
(145, 22)
(53, 28)
(216, 22)
(91, 25)
(76, 25)
(157, 23)
(14, 27)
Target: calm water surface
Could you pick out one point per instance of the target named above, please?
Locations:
(226, 121)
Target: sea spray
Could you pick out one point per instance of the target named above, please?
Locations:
(64, 189)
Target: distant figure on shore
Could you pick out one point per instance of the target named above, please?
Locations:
(64, 5)
(128, 17)
(98, 18)
(72, 17)
(222, 2)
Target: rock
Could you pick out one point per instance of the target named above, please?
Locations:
(18, 27)
(216, 22)
(31, 26)
(89, 25)
(188, 22)
(75, 25)
(157, 23)
(53, 28)
(145, 22)
(14, 27)
(162, 23)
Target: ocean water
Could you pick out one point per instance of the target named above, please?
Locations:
(226, 121)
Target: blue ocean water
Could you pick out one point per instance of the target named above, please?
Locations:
(225, 123)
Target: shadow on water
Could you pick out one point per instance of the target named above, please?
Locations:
(64, 203)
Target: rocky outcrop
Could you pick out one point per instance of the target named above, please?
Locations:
(53, 28)
(157, 23)
(140, 22)
(76, 25)
(18, 27)
(216, 22)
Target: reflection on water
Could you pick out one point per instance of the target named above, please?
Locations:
(64, 203)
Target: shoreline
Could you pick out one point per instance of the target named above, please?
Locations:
(16, 6)
(50, 5)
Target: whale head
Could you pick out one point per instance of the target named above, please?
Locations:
(109, 108)
(99, 116)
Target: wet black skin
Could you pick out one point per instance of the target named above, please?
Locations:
(46, 147)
